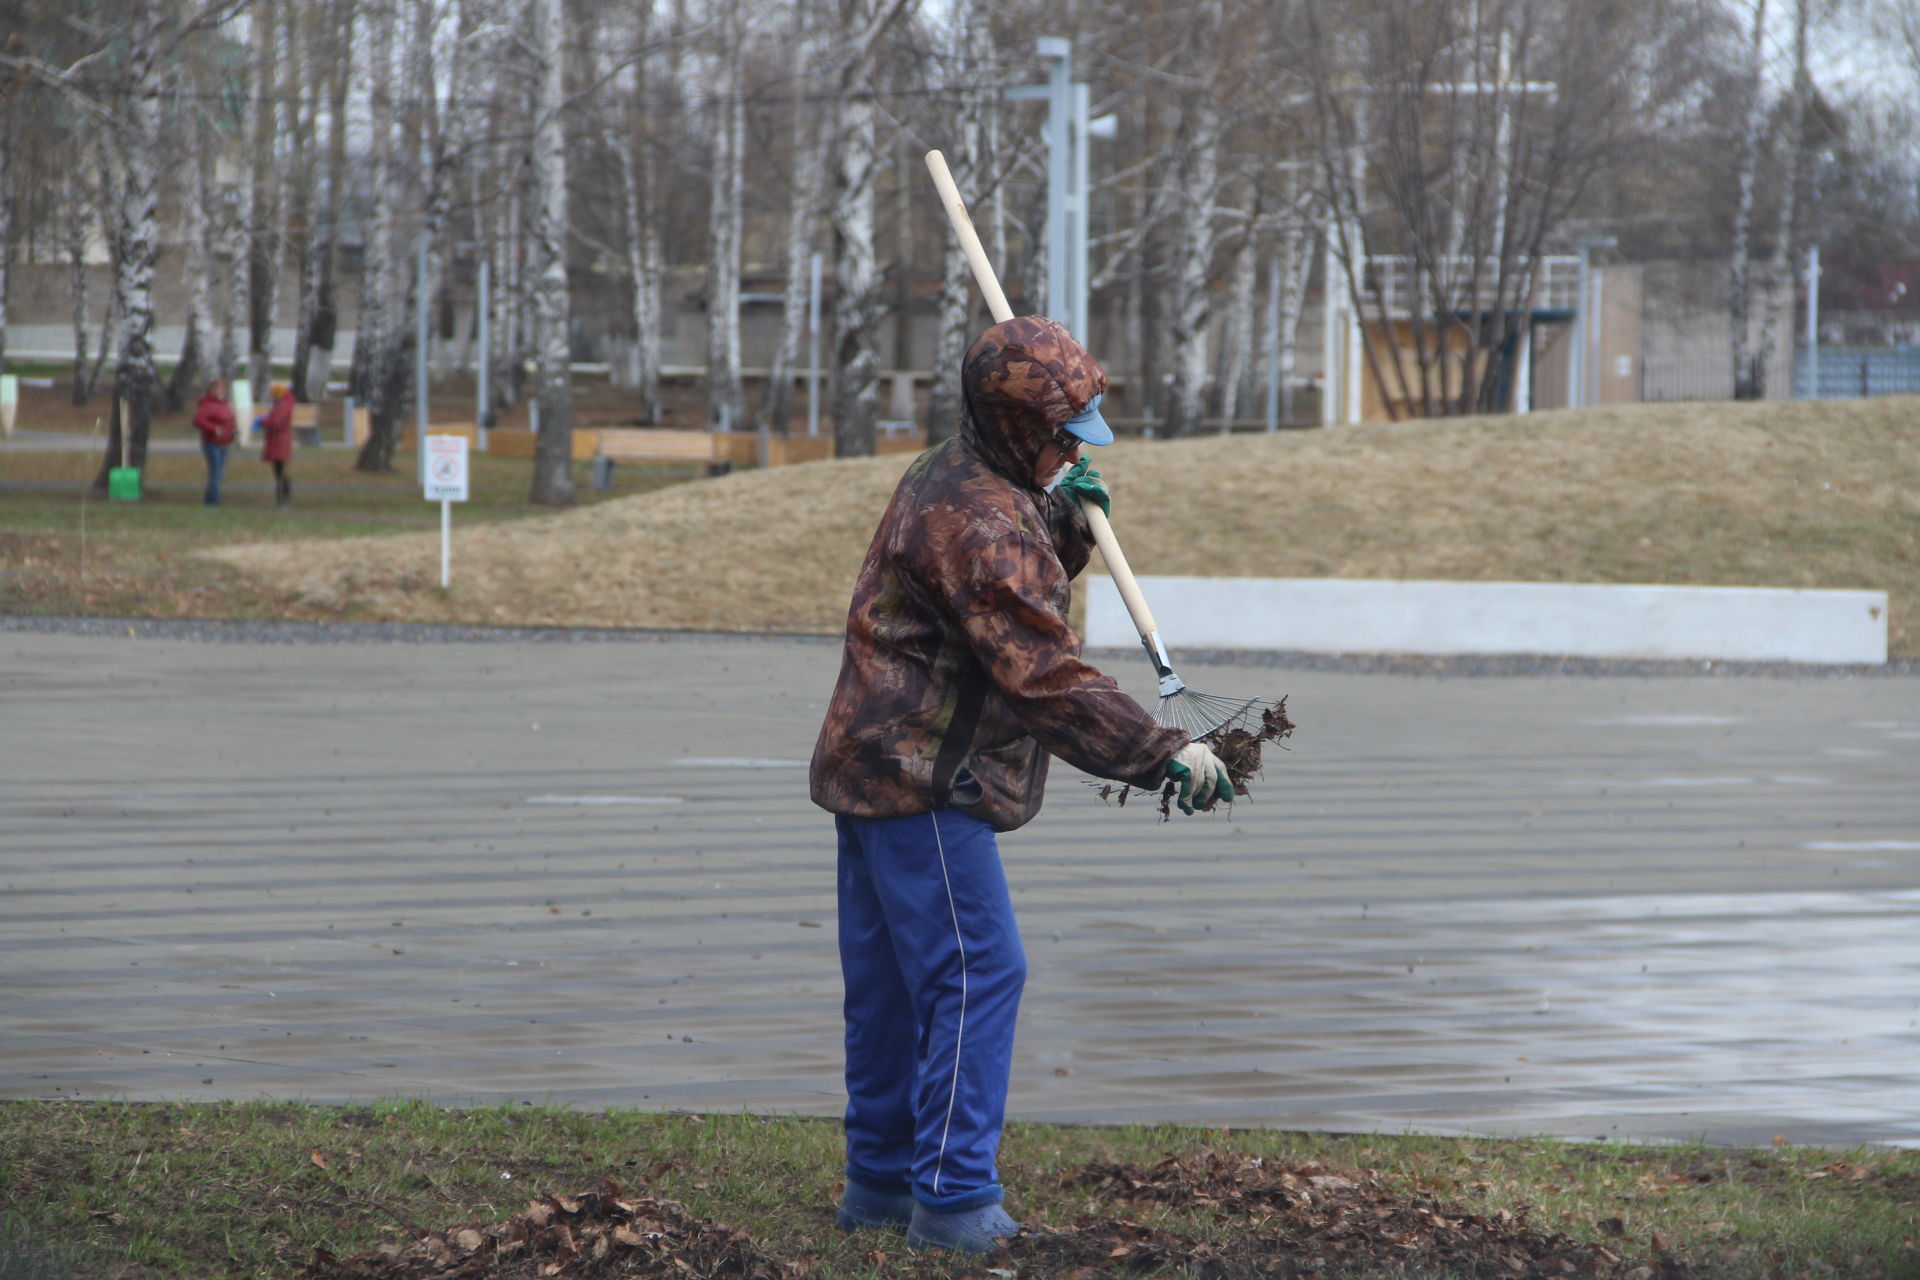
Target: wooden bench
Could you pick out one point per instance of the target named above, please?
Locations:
(306, 425)
(518, 442)
(466, 430)
(718, 451)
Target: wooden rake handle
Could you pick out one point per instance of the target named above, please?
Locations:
(996, 298)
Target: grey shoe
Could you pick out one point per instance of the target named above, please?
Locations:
(862, 1206)
(965, 1231)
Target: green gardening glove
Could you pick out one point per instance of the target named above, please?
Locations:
(1082, 483)
(1200, 776)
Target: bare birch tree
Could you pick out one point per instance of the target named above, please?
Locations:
(379, 338)
(1747, 377)
(76, 214)
(196, 179)
(1527, 95)
(11, 83)
(324, 325)
(1242, 324)
(1779, 290)
(329, 69)
(266, 179)
(1201, 140)
(137, 234)
(635, 156)
(857, 280)
(810, 132)
(966, 50)
(1292, 262)
(727, 132)
(548, 236)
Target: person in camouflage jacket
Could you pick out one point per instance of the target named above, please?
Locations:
(959, 678)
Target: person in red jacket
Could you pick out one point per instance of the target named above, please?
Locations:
(277, 426)
(213, 419)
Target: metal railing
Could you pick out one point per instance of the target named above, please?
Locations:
(1841, 373)
(1393, 278)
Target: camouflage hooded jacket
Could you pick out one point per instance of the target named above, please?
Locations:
(960, 673)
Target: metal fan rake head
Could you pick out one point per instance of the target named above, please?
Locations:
(1200, 714)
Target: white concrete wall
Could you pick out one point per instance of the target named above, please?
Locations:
(1333, 615)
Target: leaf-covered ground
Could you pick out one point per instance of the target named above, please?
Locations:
(1268, 1222)
(408, 1191)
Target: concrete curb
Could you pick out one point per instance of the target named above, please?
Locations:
(1582, 620)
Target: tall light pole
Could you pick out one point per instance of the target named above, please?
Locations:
(1813, 322)
(483, 413)
(421, 333)
(1578, 373)
(1068, 132)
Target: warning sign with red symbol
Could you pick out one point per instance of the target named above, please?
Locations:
(446, 469)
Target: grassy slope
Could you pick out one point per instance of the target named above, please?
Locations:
(1786, 495)
(1793, 495)
(251, 1189)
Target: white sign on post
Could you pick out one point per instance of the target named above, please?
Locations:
(446, 468)
(446, 483)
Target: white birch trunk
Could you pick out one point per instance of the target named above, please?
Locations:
(236, 242)
(856, 270)
(232, 257)
(1236, 346)
(372, 385)
(323, 321)
(193, 352)
(137, 235)
(632, 147)
(553, 460)
(727, 122)
(1779, 295)
(263, 252)
(1741, 263)
(1192, 303)
(504, 289)
(6, 214)
(440, 137)
(856, 277)
(809, 146)
(953, 332)
(74, 214)
(1292, 264)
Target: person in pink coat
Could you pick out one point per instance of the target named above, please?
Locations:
(213, 419)
(277, 426)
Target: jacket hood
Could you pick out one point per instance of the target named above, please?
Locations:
(1022, 379)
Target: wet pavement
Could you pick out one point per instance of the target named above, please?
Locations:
(588, 874)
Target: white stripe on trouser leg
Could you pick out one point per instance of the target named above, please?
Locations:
(960, 1031)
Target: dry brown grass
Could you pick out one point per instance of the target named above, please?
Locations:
(752, 551)
(1786, 495)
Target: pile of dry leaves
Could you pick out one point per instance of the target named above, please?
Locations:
(1304, 1221)
(1238, 743)
(1269, 1222)
(601, 1233)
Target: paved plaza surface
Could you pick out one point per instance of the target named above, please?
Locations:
(589, 874)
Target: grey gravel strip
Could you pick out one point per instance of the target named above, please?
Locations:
(274, 631)
(266, 631)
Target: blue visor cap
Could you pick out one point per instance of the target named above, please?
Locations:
(1089, 425)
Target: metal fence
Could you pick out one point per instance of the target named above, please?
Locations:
(1841, 373)
(1686, 375)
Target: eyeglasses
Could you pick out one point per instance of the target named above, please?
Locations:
(1066, 441)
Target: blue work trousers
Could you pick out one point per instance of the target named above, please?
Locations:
(216, 456)
(934, 969)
